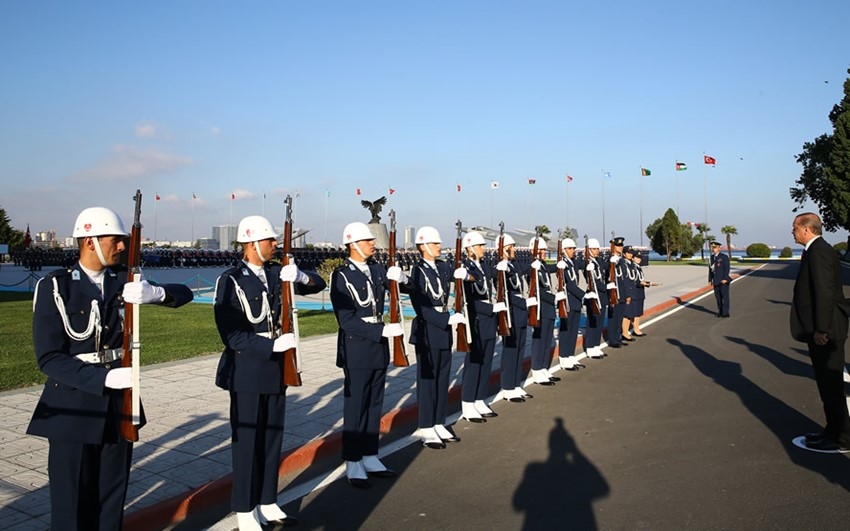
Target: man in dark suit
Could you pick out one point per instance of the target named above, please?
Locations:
(819, 318)
(718, 276)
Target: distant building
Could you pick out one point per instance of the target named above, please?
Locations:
(225, 235)
(208, 244)
(409, 237)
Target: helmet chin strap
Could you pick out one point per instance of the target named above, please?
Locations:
(98, 251)
(263, 259)
(362, 254)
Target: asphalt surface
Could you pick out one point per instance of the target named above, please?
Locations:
(691, 427)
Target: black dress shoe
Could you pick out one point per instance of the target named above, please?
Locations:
(615, 345)
(516, 399)
(546, 383)
(359, 483)
(527, 396)
(638, 335)
(476, 420)
(813, 436)
(827, 445)
(385, 473)
(489, 414)
(725, 316)
(624, 338)
(573, 368)
(289, 521)
(435, 445)
(580, 366)
(452, 435)
(555, 378)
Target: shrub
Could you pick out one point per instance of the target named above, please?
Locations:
(786, 253)
(758, 250)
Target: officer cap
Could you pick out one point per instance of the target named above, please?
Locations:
(714, 243)
(618, 241)
(628, 249)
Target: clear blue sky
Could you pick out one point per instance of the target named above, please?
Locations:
(252, 98)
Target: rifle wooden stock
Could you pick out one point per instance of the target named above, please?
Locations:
(595, 307)
(399, 351)
(533, 279)
(460, 298)
(502, 292)
(562, 305)
(613, 296)
(288, 310)
(128, 427)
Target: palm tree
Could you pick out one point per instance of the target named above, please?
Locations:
(729, 231)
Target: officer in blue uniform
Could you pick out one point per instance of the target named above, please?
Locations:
(598, 269)
(542, 335)
(363, 351)
(617, 311)
(635, 308)
(431, 337)
(481, 308)
(247, 313)
(568, 268)
(77, 337)
(718, 276)
(513, 346)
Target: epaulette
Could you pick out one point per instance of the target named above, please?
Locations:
(59, 273)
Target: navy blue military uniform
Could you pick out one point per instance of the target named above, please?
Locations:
(634, 290)
(247, 314)
(513, 346)
(362, 353)
(618, 311)
(718, 271)
(593, 328)
(478, 363)
(431, 337)
(542, 334)
(568, 327)
(88, 462)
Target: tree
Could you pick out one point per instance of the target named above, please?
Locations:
(826, 169)
(665, 234)
(705, 237)
(8, 234)
(543, 231)
(729, 231)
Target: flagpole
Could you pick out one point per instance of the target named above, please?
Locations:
(155, 204)
(568, 202)
(603, 203)
(264, 204)
(704, 198)
(527, 202)
(327, 195)
(193, 218)
(492, 196)
(231, 208)
(677, 189)
(641, 206)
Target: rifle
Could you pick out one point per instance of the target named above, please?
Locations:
(131, 406)
(399, 353)
(613, 296)
(288, 310)
(533, 279)
(595, 308)
(562, 305)
(463, 334)
(502, 287)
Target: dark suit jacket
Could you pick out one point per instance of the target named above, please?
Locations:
(429, 296)
(819, 304)
(719, 269)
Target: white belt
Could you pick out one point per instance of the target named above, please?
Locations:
(375, 319)
(269, 335)
(104, 356)
(439, 309)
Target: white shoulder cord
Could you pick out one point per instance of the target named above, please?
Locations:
(94, 318)
(265, 311)
(434, 294)
(516, 282)
(370, 296)
(632, 273)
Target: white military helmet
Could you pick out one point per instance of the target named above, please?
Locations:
(98, 221)
(473, 238)
(254, 229)
(509, 240)
(541, 243)
(593, 243)
(428, 235)
(566, 243)
(356, 231)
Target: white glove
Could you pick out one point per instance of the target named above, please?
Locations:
(531, 301)
(392, 330)
(121, 378)
(590, 295)
(500, 307)
(142, 292)
(560, 296)
(535, 264)
(502, 265)
(610, 285)
(461, 274)
(590, 267)
(456, 318)
(291, 273)
(395, 273)
(614, 258)
(561, 264)
(284, 343)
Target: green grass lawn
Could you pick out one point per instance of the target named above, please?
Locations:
(167, 334)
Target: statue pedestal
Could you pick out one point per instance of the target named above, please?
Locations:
(382, 236)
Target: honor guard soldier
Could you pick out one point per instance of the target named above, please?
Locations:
(718, 276)
(635, 309)
(431, 337)
(247, 313)
(569, 269)
(363, 352)
(593, 327)
(513, 345)
(77, 337)
(542, 334)
(615, 284)
(478, 290)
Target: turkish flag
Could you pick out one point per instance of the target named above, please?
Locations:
(709, 160)
(157, 197)
(392, 191)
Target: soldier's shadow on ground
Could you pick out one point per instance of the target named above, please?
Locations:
(567, 483)
(783, 421)
(701, 308)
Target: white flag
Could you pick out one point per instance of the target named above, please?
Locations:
(494, 185)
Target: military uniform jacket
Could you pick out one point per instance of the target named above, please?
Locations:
(478, 291)
(571, 273)
(429, 295)
(516, 296)
(626, 279)
(70, 317)
(640, 289)
(247, 315)
(718, 269)
(358, 301)
(600, 277)
(544, 291)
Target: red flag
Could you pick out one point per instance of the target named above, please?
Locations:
(709, 160)
(532, 181)
(392, 191)
(232, 196)
(157, 197)
(358, 191)
(569, 178)
(458, 187)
